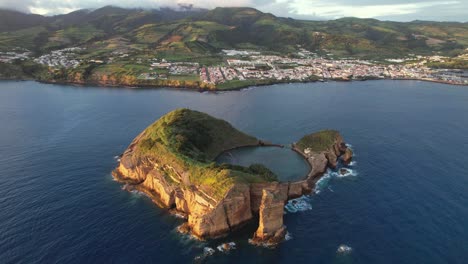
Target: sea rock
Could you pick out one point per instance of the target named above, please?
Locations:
(343, 171)
(322, 150)
(295, 189)
(319, 164)
(347, 156)
(331, 158)
(226, 247)
(256, 193)
(344, 249)
(208, 251)
(183, 228)
(271, 230)
(216, 206)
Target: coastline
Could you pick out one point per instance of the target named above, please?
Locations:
(210, 216)
(237, 88)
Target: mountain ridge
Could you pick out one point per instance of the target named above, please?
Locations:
(208, 31)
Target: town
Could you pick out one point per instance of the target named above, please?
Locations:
(309, 67)
(242, 65)
(61, 58)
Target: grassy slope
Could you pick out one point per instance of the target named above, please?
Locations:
(319, 141)
(25, 38)
(191, 140)
(199, 38)
(210, 31)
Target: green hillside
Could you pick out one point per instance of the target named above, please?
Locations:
(206, 32)
(192, 140)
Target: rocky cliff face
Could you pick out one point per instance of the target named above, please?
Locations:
(270, 230)
(324, 155)
(207, 217)
(215, 210)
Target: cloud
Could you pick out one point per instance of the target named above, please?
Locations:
(49, 7)
(22, 6)
(336, 9)
(304, 9)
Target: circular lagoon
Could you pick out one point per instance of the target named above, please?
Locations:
(284, 162)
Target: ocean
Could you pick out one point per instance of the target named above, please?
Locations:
(404, 200)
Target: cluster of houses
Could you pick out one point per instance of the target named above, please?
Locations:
(285, 68)
(65, 58)
(212, 75)
(244, 65)
(307, 66)
(10, 56)
(184, 69)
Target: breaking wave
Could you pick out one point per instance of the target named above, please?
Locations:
(344, 249)
(226, 247)
(300, 204)
(323, 183)
(344, 172)
(207, 251)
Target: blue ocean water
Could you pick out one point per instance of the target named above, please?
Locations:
(406, 203)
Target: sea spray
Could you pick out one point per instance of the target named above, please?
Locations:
(323, 183)
(344, 172)
(207, 251)
(300, 204)
(226, 247)
(344, 249)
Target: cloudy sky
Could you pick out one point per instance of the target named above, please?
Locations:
(399, 10)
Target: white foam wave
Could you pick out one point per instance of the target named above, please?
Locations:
(226, 247)
(323, 183)
(188, 239)
(352, 163)
(345, 173)
(300, 204)
(344, 249)
(179, 215)
(137, 193)
(288, 236)
(207, 251)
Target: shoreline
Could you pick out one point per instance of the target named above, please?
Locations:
(238, 88)
(245, 86)
(217, 210)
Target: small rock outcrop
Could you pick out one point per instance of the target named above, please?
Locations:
(323, 150)
(347, 156)
(271, 230)
(172, 162)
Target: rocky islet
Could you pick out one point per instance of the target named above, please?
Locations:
(172, 162)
